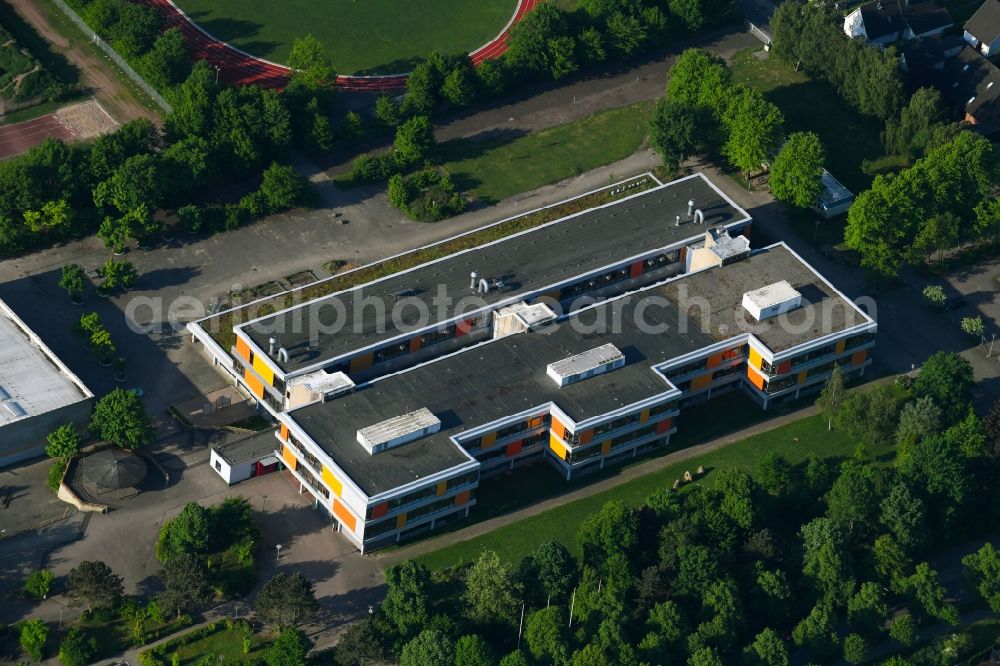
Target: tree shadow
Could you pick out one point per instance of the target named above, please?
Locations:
(167, 277)
(39, 47)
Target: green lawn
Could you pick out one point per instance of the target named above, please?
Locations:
(796, 441)
(848, 137)
(497, 168)
(226, 644)
(361, 36)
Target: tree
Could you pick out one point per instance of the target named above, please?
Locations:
(867, 610)
(95, 584)
(33, 636)
(562, 55)
(931, 594)
(817, 632)
(117, 274)
(414, 139)
(288, 649)
(905, 516)
(554, 568)
(515, 658)
(853, 501)
(491, 594)
(472, 650)
(947, 378)
(797, 172)
(387, 111)
(74, 281)
(120, 418)
(869, 415)
(459, 86)
(910, 134)
(527, 46)
(903, 630)
(704, 656)
(855, 649)
(700, 80)
(282, 187)
(134, 189)
(363, 643)
(286, 600)
(918, 419)
(63, 442)
(39, 584)
(688, 11)
(422, 88)
(983, 570)
(737, 487)
(937, 234)
(626, 34)
(774, 473)
(831, 398)
(968, 435)
(310, 64)
(673, 132)
(767, 649)
(168, 62)
(430, 648)
(77, 649)
(406, 604)
(613, 529)
(186, 584)
(665, 627)
(546, 635)
(186, 534)
(826, 559)
(754, 130)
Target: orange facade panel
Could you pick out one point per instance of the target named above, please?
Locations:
(636, 269)
(360, 363)
(755, 377)
(558, 429)
(515, 448)
(380, 510)
(400, 521)
(488, 440)
(664, 426)
(463, 497)
(701, 381)
(859, 357)
(284, 432)
(344, 515)
(414, 344)
(290, 460)
(714, 360)
(801, 378)
(255, 385)
(442, 488)
(242, 348)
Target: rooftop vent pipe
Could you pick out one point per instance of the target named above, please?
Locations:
(484, 286)
(677, 222)
(270, 346)
(472, 279)
(690, 207)
(699, 217)
(283, 355)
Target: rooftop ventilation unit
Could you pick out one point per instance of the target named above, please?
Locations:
(592, 362)
(398, 430)
(771, 300)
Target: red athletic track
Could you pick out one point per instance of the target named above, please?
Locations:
(240, 68)
(19, 137)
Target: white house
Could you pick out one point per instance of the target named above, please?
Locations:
(882, 23)
(245, 458)
(982, 31)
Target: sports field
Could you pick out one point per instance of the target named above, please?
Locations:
(362, 36)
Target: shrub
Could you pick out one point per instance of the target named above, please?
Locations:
(56, 473)
(39, 584)
(34, 634)
(73, 280)
(427, 196)
(192, 217)
(973, 327)
(934, 295)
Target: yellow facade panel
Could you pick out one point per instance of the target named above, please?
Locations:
(557, 446)
(801, 379)
(755, 358)
(291, 462)
(332, 482)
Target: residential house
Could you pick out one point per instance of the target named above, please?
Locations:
(883, 23)
(969, 82)
(982, 31)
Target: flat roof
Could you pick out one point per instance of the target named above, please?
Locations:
(494, 380)
(254, 447)
(33, 380)
(526, 262)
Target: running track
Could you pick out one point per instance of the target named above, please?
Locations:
(19, 137)
(238, 67)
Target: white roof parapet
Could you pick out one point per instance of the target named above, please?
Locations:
(586, 364)
(398, 430)
(771, 300)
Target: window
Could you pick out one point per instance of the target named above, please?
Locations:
(218, 466)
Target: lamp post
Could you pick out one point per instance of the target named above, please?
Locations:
(278, 548)
(217, 70)
(263, 503)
